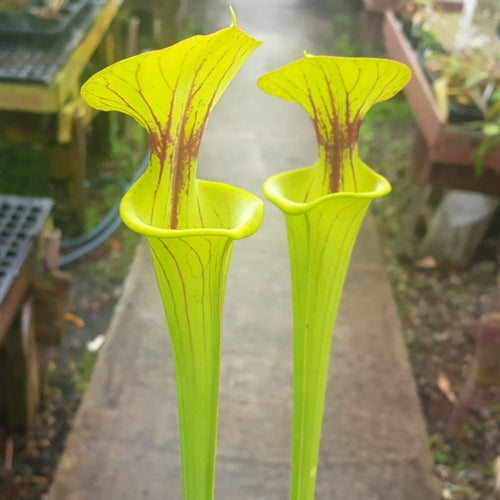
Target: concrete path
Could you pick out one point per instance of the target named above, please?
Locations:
(124, 444)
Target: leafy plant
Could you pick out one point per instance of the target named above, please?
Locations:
(465, 77)
(190, 224)
(324, 205)
(472, 76)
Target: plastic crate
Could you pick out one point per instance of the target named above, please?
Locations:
(34, 52)
(21, 220)
(24, 26)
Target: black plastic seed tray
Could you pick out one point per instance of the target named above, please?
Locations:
(37, 58)
(21, 220)
(24, 25)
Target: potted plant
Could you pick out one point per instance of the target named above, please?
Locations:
(454, 94)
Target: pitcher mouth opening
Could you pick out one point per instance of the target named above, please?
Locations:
(286, 190)
(243, 213)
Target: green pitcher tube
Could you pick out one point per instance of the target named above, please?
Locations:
(324, 205)
(190, 224)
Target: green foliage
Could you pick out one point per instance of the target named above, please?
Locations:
(191, 27)
(441, 451)
(395, 110)
(73, 377)
(348, 18)
(344, 44)
(83, 371)
(441, 458)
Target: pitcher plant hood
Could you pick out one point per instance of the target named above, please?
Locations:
(171, 92)
(336, 93)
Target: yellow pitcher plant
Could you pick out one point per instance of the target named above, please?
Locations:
(324, 205)
(190, 224)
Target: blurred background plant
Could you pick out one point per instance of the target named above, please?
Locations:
(460, 52)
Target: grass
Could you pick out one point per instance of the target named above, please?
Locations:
(383, 118)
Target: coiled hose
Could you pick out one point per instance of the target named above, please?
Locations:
(104, 229)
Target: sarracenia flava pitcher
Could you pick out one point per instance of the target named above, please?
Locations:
(190, 224)
(324, 205)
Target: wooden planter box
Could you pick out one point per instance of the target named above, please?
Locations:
(383, 5)
(380, 5)
(441, 154)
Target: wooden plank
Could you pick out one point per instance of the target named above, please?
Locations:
(418, 91)
(488, 349)
(463, 177)
(446, 155)
(458, 148)
(380, 5)
(383, 5)
(68, 79)
(31, 98)
(51, 302)
(15, 296)
(19, 381)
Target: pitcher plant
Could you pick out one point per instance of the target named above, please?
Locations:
(324, 205)
(190, 224)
